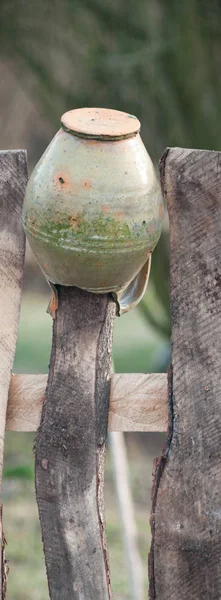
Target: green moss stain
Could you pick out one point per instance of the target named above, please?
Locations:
(104, 230)
(103, 227)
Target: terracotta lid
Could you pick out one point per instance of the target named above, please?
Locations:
(100, 123)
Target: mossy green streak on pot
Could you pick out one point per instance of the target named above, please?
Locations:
(93, 209)
(103, 232)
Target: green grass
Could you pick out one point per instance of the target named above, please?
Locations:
(34, 336)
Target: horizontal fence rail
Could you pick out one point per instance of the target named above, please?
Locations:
(138, 402)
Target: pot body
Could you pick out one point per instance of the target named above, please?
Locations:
(93, 211)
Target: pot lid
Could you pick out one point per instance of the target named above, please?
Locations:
(100, 123)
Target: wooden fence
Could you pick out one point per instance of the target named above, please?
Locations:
(71, 410)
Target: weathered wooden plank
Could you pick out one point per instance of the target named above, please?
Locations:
(185, 558)
(13, 179)
(138, 402)
(70, 447)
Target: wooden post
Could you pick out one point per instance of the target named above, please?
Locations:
(13, 179)
(185, 557)
(70, 447)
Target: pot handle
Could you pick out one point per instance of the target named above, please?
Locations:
(130, 296)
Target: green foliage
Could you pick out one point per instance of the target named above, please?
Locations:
(19, 472)
(157, 59)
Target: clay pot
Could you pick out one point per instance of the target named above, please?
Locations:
(93, 207)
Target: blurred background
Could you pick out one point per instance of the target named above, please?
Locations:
(159, 60)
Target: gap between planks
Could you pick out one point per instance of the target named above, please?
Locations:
(138, 402)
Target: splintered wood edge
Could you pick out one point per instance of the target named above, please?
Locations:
(138, 402)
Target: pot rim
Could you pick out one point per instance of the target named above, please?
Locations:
(100, 124)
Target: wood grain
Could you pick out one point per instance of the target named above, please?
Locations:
(70, 447)
(13, 179)
(185, 557)
(138, 402)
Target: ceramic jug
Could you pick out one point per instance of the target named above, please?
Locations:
(93, 207)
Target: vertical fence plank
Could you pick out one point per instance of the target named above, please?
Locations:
(70, 447)
(13, 179)
(185, 558)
